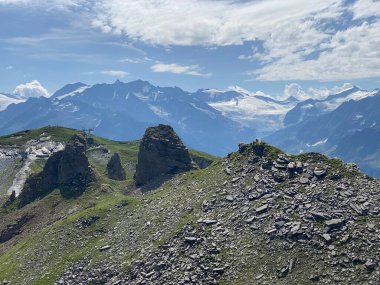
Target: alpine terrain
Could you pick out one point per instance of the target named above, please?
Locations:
(81, 209)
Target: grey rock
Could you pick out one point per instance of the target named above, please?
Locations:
(261, 210)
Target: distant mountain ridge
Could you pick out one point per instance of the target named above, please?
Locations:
(313, 107)
(211, 120)
(351, 131)
(123, 111)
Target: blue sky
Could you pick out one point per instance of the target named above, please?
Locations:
(275, 46)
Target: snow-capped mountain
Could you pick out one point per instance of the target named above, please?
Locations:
(312, 108)
(256, 110)
(211, 120)
(123, 110)
(350, 131)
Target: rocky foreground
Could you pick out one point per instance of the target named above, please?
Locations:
(258, 216)
(271, 219)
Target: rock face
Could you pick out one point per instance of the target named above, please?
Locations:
(14, 229)
(68, 170)
(114, 168)
(161, 152)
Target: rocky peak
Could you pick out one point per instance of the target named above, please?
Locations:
(114, 168)
(77, 144)
(69, 170)
(161, 152)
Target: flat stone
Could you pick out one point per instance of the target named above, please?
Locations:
(262, 209)
(208, 222)
(319, 216)
(319, 172)
(218, 270)
(304, 180)
(229, 198)
(104, 248)
(326, 237)
(236, 179)
(335, 223)
(250, 220)
(190, 240)
(258, 277)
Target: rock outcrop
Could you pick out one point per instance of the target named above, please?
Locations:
(114, 168)
(68, 170)
(14, 229)
(161, 152)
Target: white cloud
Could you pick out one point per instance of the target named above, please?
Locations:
(295, 44)
(9, 67)
(366, 8)
(350, 54)
(179, 69)
(291, 39)
(31, 89)
(204, 22)
(322, 93)
(115, 73)
(295, 90)
(136, 60)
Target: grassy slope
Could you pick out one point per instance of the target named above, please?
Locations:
(54, 238)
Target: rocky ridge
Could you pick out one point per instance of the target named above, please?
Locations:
(264, 218)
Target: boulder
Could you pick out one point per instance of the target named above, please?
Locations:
(161, 152)
(114, 168)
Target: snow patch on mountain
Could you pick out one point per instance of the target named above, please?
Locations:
(159, 111)
(73, 93)
(334, 101)
(252, 109)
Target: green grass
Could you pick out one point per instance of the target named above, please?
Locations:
(12, 259)
(49, 242)
(60, 134)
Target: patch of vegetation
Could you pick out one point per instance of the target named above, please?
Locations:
(60, 134)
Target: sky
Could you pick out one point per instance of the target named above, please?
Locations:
(292, 47)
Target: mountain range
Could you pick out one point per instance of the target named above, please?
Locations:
(210, 120)
(348, 130)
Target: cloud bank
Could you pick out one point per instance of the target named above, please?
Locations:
(298, 40)
(325, 40)
(33, 89)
